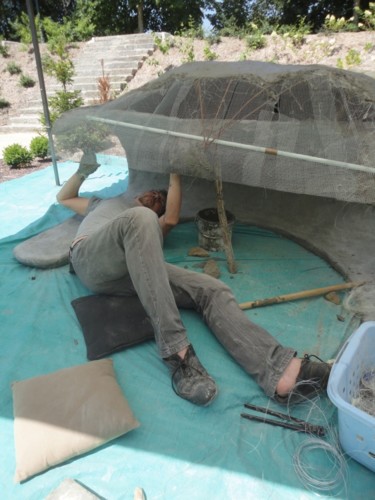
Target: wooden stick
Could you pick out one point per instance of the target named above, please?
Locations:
(299, 295)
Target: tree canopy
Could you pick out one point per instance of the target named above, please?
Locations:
(110, 17)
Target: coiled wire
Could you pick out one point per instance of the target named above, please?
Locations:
(330, 479)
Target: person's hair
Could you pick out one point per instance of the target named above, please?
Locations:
(164, 193)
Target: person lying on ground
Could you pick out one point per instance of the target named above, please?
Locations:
(118, 250)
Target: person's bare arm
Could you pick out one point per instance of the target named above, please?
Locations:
(173, 207)
(68, 194)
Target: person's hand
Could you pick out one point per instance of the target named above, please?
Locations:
(87, 165)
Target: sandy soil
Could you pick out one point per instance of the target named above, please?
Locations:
(317, 49)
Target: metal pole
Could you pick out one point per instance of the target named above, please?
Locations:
(240, 145)
(42, 88)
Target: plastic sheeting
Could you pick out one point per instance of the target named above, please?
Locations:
(180, 451)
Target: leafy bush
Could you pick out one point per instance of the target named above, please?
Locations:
(368, 16)
(186, 48)
(353, 57)
(296, 34)
(26, 81)
(192, 30)
(62, 69)
(17, 156)
(163, 43)
(21, 27)
(209, 55)
(256, 41)
(4, 50)
(4, 103)
(13, 68)
(39, 147)
(60, 102)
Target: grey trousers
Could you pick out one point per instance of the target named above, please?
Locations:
(125, 257)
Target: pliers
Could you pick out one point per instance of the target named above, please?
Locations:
(299, 425)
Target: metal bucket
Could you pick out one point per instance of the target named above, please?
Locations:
(210, 235)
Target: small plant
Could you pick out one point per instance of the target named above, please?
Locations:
(39, 147)
(353, 58)
(333, 24)
(187, 49)
(17, 156)
(208, 54)
(367, 17)
(104, 86)
(13, 68)
(4, 103)
(163, 43)
(213, 39)
(21, 27)
(230, 28)
(369, 47)
(4, 49)
(62, 101)
(192, 30)
(151, 61)
(255, 41)
(296, 34)
(62, 69)
(26, 81)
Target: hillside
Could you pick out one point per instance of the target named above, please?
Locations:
(354, 51)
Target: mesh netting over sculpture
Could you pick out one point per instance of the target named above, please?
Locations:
(300, 129)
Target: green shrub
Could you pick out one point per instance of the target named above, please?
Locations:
(4, 49)
(17, 156)
(26, 81)
(256, 41)
(163, 43)
(296, 34)
(21, 27)
(4, 103)
(62, 69)
(353, 57)
(209, 55)
(13, 68)
(39, 147)
(192, 30)
(61, 102)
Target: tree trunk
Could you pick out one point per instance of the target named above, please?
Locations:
(140, 16)
(356, 4)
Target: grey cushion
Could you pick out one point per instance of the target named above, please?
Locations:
(110, 323)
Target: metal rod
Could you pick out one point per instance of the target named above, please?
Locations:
(308, 428)
(239, 145)
(43, 93)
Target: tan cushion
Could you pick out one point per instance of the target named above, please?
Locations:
(67, 413)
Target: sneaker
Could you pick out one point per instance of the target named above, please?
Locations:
(311, 380)
(190, 380)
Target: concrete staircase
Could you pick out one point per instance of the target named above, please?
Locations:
(122, 56)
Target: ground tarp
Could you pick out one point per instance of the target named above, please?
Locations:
(180, 451)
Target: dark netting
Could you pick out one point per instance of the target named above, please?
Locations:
(299, 129)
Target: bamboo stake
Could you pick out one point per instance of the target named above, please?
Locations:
(299, 295)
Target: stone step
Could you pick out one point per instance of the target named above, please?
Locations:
(121, 46)
(122, 56)
(26, 127)
(97, 71)
(29, 118)
(118, 57)
(113, 75)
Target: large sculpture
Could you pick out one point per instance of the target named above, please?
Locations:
(293, 145)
